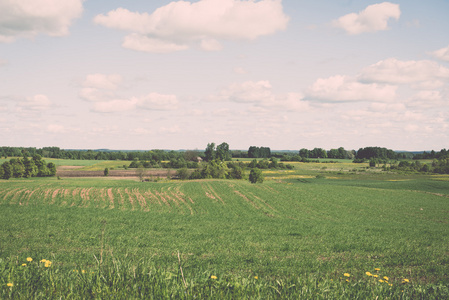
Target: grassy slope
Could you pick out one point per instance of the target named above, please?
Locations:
(232, 226)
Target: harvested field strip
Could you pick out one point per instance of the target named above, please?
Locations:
(16, 197)
(247, 199)
(162, 198)
(153, 198)
(53, 196)
(121, 200)
(111, 198)
(179, 195)
(141, 199)
(210, 192)
(130, 198)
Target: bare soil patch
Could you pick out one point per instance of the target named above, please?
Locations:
(75, 172)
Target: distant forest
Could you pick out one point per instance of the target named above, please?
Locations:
(366, 153)
(21, 166)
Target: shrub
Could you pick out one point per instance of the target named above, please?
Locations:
(256, 176)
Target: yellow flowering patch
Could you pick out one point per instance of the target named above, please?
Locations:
(386, 278)
(10, 284)
(213, 277)
(346, 274)
(377, 269)
(369, 274)
(29, 259)
(24, 265)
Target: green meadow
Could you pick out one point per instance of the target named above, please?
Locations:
(350, 232)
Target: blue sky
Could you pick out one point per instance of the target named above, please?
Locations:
(285, 74)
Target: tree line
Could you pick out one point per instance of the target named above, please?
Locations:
(26, 167)
(222, 152)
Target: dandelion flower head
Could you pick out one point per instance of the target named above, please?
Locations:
(29, 259)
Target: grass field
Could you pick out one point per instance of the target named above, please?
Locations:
(294, 236)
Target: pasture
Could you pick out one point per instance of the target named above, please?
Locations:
(350, 232)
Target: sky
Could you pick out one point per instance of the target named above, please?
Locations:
(284, 74)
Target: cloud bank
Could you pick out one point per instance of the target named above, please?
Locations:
(28, 18)
(373, 18)
(181, 24)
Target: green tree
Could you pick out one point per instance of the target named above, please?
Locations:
(304, 153)
(223, 152)
(52, 169)
(30, 167)
(7, 170)
(182, 173)
(236, 173)
(210, 152)
(106, 172)
(256, 176)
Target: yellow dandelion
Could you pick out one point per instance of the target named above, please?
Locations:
(346, 275)
(405, 280)
(29, 259)
(43, 260)
(10, 284)
(347, 280)
(377, 269)
(390, 284)
(255, 277)
(24, 265)
(375, 276)
(386, 278)
(83, 271)
(380, 280)
(213, 277)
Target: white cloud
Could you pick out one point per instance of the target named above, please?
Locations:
(260, 95)
(179, 24)
(442, 54)
(152, 101)
(100, 87)
(102, 81)
(373, 18)
(155, 101)
(248, 92)
(343, 88)
(95, 95)
(28, 18)
(395, 71)
(118, 105)
(381, 107)
(143, 43)
(211, 45)
(37, 102)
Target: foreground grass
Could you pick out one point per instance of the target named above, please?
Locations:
(145, 279)
(299, 237)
